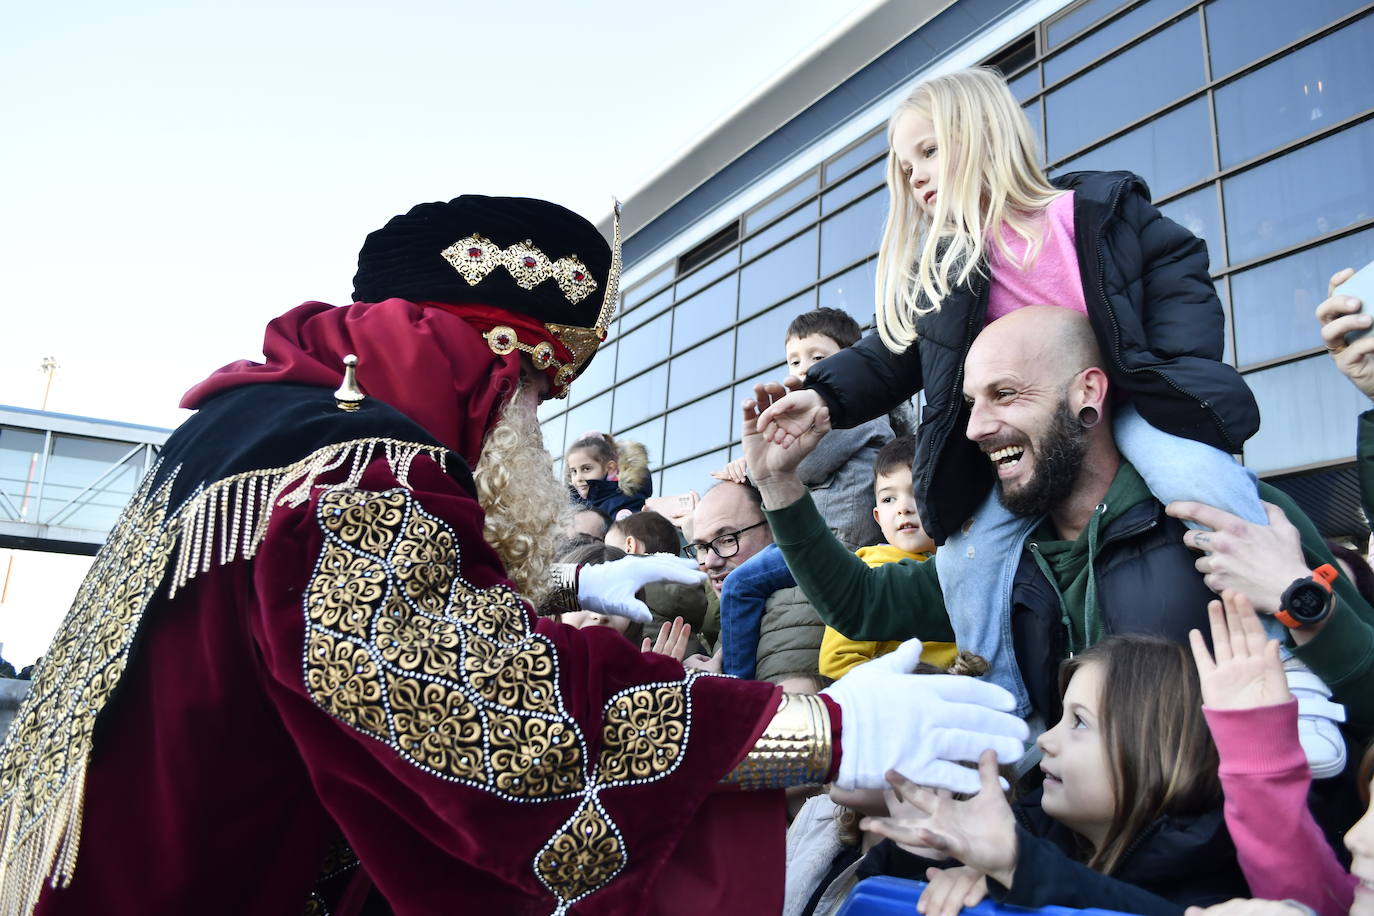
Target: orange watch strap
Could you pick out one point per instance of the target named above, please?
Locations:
(1324, 575)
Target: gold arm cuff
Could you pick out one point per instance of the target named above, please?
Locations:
(794, 750)
(563, 597)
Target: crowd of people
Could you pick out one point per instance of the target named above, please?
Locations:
(1074, 464)
(1047, 644)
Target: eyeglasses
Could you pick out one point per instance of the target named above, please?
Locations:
(725, 546)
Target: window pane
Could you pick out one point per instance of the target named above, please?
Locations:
(643, 313)
(762, 340)
(702, 369)
(593, 416)
(650, 435)
(1275, 301)
(774, 275)
(1076, 112)
(1169, 152)
(651, 285)
(1317, 407)
(1197, 212)
(642, 398)
(555, 432)
(21, 456)
(644, 347)
(1074, 22)
(1037, 126)
(1305, 91)
(847, 161)
(860, 183)
(1239, 31)
(1308, 192)
(783, 202)
(852, 291)
(1114, 34)
(694, 474)
(707, 272)
(853, 233)
(698, 426)
(704, 314)
(1025, 85)
(780, 230)
(598, 376)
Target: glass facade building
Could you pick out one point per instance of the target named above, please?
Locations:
(1249, 119)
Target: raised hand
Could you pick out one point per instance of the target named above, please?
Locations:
(1241, 906)
(980, 832)
(714, 664)
(1246, 672)
(672, 639)
(951, 889)
(609, 588)
(736, 471)
(1342, 315)
(773, 459)
(790, 414)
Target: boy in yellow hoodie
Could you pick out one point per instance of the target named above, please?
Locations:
(895, 513)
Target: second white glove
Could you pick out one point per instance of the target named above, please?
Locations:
(920, 724)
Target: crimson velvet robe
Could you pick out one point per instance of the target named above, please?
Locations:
(296, 634)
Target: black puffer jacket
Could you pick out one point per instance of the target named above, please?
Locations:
(1156, 316)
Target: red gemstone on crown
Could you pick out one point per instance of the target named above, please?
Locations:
(474, 252)
(528, 261)
(578, 275)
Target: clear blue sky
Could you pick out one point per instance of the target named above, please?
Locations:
(177, 173)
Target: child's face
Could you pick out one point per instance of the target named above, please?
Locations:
(913, 144)
(585, 619)
(895, 512)
(1360, 841)
(805, 352)
(1078, 783)
(582, 467)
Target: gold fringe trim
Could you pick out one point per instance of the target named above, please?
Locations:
(227, 520)
(44, 758)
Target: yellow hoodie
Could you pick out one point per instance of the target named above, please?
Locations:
(839, 654)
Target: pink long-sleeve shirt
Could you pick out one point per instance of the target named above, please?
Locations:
(1265, 776)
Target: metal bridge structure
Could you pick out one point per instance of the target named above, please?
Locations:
(65, 479)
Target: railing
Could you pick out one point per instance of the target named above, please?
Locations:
(64, 479)
(882, 896)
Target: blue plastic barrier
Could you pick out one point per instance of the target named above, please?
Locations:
(882, 896)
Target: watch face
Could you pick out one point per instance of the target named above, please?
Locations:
(1307, 602)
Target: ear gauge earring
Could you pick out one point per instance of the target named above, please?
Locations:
(1088, 417)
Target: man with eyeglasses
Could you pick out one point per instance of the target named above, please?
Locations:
(729, 528)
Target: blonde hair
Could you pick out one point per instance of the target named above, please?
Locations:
(525, 504)
(990, 174)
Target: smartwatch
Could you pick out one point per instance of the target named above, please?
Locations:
(1308, 600)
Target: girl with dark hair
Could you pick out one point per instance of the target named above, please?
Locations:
(1130, 814)
(608, 475)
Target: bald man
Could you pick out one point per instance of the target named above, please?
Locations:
(1039, 409)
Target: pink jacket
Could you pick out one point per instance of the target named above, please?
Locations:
(1265, 776)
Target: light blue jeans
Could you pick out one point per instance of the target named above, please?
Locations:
(977, 565)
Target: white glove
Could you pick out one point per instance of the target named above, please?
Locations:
(918, 724)
(609, 588)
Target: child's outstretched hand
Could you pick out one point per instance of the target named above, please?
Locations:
(980, 832)
(1243, 907)
(950, 890)
(672, 639)
(1246, 672)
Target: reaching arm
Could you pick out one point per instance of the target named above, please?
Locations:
(865, 381)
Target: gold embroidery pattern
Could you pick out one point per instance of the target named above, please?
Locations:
(644, 734)
(453, 678)
(476, 256)
(585, 854)
(44, 758)
(449, 675)
(42, 770)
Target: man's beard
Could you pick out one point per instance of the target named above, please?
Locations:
(526, 505)
(1058, 456)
